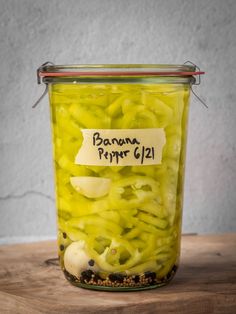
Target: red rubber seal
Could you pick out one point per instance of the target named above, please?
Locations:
(120, 73)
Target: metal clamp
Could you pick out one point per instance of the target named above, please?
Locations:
(41, 97)
(39, 81)
(196, 82)
(198, 77)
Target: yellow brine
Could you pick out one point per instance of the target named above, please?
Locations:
(119, 152)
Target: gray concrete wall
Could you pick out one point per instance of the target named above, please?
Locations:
(109, 31)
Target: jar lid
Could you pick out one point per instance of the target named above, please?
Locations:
(117, 70)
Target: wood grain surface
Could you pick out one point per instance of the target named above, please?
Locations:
(32, 282)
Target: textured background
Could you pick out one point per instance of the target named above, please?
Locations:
(106, 31)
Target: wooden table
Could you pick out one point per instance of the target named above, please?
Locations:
(205, 283)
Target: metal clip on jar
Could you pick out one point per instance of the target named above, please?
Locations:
(119, 135)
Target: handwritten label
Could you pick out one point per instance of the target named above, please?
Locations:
(121, 147)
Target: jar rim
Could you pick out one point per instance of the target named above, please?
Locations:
(120, 70)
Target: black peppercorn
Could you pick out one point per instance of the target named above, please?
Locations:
(175, 267)
(86, 275)
(116, 277)
(136, 279)
(91, 262)
(150, 275)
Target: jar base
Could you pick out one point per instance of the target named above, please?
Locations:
(127, 285)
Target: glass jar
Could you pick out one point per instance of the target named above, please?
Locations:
(119, 138)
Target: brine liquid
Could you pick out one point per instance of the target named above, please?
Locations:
(119, 226)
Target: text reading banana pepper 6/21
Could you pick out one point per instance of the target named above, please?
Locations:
(122, 147)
